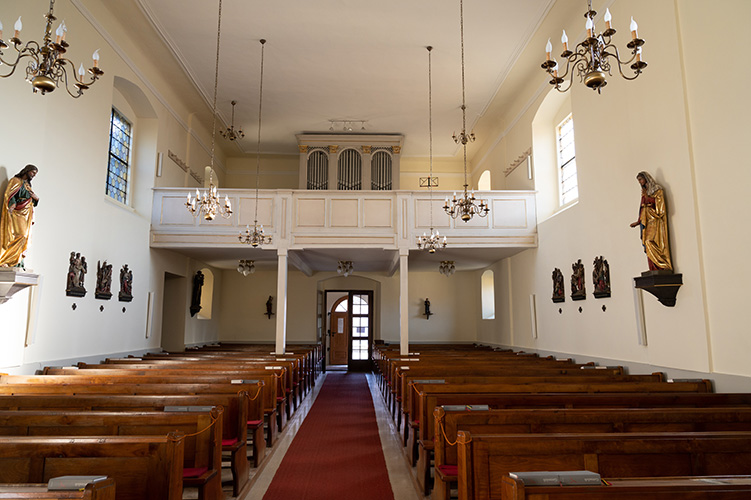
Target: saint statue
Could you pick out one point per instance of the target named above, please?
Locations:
(17, 217)
(653, 223)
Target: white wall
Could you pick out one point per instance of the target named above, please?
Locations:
(678, 122)
(68, 140)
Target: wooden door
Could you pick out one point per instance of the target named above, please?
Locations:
(339, 329)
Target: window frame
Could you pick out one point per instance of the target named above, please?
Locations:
(128, 162)
(566, 162)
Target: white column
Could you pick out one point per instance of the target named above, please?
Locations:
(367, 167)
(303, 167)
(281, 302)
(333, 168)
(404, 302)
(396, 167)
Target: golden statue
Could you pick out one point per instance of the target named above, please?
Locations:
(17, 217)
(653, 223)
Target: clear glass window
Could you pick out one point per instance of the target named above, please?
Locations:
(569, 186)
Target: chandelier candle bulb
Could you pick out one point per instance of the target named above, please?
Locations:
(81, 71)
(548, 49)
(634, 28)
(59, 34)
(607, 18)
(65, 31)
(1, 30)
(95, 56)
(19, 26)
(564, 39)
(590, 26)
(638, 54)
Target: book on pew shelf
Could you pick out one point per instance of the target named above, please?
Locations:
(465, 407)
(72, 482)
(558, 478)
(243, 381)
(175, 408)
(430, 381)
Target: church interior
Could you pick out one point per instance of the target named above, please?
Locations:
(328, 127)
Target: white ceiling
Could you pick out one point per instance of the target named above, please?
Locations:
(346, 60)
(339, 60)
(364, 260)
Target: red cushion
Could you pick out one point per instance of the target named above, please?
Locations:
(253, 423)
(229, 442)
(194, 471)
(279, 398)
(449, 470)
(289, 390)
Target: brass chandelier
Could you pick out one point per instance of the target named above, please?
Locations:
(595, 57)
(466, 205)
(257, 237)
(48, 68)
(246, 267)
(345, 267)
(447, 267)
(231, 134)
(433, 242)
(208, 204)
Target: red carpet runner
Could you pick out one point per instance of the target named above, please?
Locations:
(337, 453)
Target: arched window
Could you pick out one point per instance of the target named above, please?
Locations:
(380, 171)
(488, 295)
(484, 183)
(555, 162)
(350, 170)
(567, 178)
(207, 294)
(318, 170)
(133, 130)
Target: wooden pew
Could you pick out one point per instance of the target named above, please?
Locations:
(100, 490)
(570, 400)
(143, 467)
(274, 403)
(202, 430)
(421, 415)
(515, 376)
(484, 458)
(653, 488)
(591, 420)
(256, 402)
(235, 415)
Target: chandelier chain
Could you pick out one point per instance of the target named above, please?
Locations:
(216, 86)
(258, 150)
(430, 133)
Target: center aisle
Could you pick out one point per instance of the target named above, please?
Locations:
(337, 452)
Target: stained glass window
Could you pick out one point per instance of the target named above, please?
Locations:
(119, 157)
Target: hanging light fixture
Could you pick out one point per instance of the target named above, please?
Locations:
(433, 242)
(246, 267)
(231, 134)
(208, 204)
(48, 68)
(466, 206)
(256, 237)
(594, 57)
(447, 267)
(344, 267)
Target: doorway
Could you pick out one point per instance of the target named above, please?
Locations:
(173, 312)
(350, 332)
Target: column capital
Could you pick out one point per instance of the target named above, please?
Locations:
(303, 148)
(333, 149)
(397, 150)
(367, 149)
